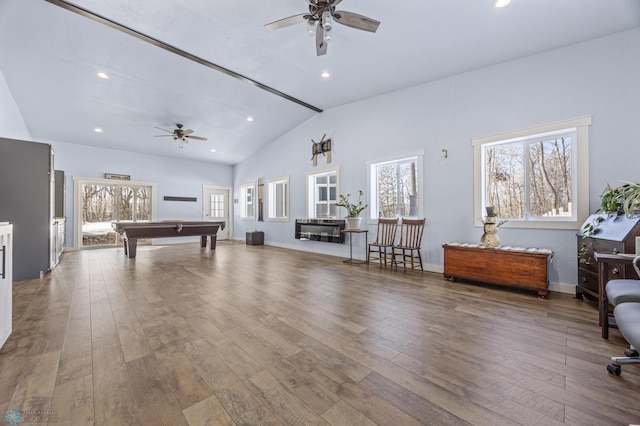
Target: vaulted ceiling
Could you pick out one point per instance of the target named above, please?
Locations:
(211, 64)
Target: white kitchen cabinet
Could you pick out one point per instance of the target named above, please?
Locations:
(6, 282)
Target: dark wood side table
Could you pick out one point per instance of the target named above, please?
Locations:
(351, 232)
(609, 265)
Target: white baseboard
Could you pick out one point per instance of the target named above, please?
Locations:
(439, 269)
(555, 287)
(563, 288)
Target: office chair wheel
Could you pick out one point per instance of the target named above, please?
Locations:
(631, 352)
(614, 369)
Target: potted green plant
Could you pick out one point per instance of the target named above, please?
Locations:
(624, 199)
(628, 197)
(353, 219)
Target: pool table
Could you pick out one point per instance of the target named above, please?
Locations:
(131, 231)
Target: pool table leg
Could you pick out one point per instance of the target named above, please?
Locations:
(203, 241)
(131, 244)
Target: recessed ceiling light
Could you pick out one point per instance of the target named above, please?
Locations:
(97, 130)
(249, 118)
(103, 75)
(213, 150)
(501, 3)
(325, 74)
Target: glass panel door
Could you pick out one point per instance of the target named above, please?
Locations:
(216, 208)
(103, 204)
(98, 211)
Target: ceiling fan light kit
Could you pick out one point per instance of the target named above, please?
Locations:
(322, 14)
(501, 3)
(311, 28)
(180, 136)
(326, 20)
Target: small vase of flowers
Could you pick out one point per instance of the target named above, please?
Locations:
(353, 218)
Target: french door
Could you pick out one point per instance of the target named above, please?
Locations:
(215, 207)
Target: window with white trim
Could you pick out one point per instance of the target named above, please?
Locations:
(278, 201)
(535, 178)
(322, 194)
(395, 189)
(248, 201)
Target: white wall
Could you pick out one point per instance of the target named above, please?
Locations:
(597, 78)
(12, 125)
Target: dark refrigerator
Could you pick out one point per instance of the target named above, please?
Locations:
(27, 201)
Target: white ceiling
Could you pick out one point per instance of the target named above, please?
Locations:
(50, 56)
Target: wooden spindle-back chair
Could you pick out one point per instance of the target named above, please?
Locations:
(382, 247)
(408, 249)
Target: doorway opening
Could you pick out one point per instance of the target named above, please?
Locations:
(216, 207)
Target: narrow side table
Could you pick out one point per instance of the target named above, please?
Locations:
(351, 260)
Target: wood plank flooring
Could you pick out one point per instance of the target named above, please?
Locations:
(258, 335)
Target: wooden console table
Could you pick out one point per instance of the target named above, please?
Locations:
(509, 266)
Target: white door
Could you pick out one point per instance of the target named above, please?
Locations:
(215, 207)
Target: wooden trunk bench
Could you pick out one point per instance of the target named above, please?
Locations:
(509, 266)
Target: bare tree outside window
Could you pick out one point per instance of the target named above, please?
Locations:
(143, 204)
(387, 191)
(505, 180)
(103, 204)
(126, 203)
(529, 179)
(550, 177)
(98, 203)
(396, 188)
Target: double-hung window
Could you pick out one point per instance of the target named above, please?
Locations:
(535, 178)
(278, 193)
(395, 189)
(248, 201)
(322, 194)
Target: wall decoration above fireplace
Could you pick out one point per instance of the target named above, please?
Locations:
(323, 147)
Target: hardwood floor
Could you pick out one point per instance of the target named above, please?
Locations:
(258, 335)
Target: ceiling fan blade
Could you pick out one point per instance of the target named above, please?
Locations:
(197, 138)
(335, 3)
(321, 45)
(164, 130)
(162, 136)
(281, 23)
(187, 132)
(356, 21)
